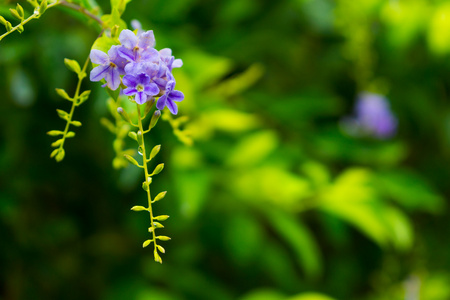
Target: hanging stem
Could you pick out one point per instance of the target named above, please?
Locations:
(81, 76)
(144, 164)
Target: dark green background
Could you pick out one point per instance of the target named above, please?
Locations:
(273, 201)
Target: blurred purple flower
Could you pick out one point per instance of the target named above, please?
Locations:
(373, 117)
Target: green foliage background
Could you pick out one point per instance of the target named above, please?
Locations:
(272, 201)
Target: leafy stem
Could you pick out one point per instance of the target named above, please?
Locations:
(41, 8)
(36, 15)
(77, 100)
(144, 164)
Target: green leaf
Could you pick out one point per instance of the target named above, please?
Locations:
(114, 19)
(161, 218)
(159, 196)
(55, 132)
(120, 5)
(299, 238)
(131, 160)
(76, 123)
(138, 208)
(104, 43)
(83, 97)
(62, 114)
(158, 169)
(253, 149)
(63, 94)
(54, 152)
(72, 65)
(70, 134)
(57, 143)
(60, 156)
(154, 152)
(108, 125)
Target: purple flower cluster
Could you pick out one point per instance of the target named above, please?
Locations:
(373, 117)
(146, 72)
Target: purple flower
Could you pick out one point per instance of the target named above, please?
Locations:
(140, 86)
(373, 117)
(111, 66)
(170, 61)
(138, 48)
(169, 98)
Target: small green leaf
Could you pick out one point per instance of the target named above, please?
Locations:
(146, 243)
(62, 114)
(15, 14)
(43, 7)
(33, 3)
(155, 151)
(20, 29)
(163, 238)
(158, 169)
(123, 114)
(63, 94)
(157, 257)
(131, 160)
(20, 10)
(160, 196)
(161, 249)
(83, 97)
(108, 124)
(2, 21)
(54, 152)
(140, 137)
(158, 225)
(72, 65)
(145, 186)
(70, 134)
(138, 208)
(55, 132)
(57, 143)
(132, 135)
(155, 119)
(76, 123)
(8, 26)
(161, 218)
(60, 155)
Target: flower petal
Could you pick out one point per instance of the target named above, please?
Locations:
(98, 73)
(172, 106)
(130, 91)
(129, 81)
(149, 54)
(170, 86)
(176, 96)
(165, 52)
(177, 63)
(151, 89)
(113, 78)
(146, 40)
(99, 57)
(128, 39)
(140, 98)
(161, 102)
(127, 53)
(143, 79)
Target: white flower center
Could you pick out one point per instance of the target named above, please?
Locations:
(139, 87)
